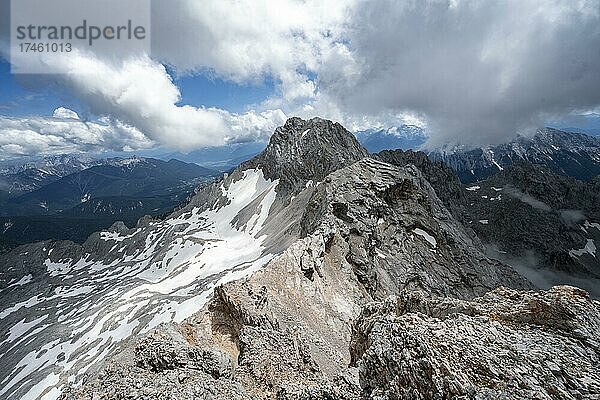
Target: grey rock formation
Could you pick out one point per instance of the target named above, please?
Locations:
(371, 230)
(542, 223)
(253, 290)
(506, 344)
(306, 151)
(59, 298)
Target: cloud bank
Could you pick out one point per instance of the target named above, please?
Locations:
(473, 72)
(66, 133)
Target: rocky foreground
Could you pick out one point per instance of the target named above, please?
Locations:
(506, 344)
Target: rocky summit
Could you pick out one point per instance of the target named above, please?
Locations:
(313, 271)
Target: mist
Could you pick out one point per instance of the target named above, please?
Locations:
(530, 266)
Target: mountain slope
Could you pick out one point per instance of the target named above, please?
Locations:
(302, 327)
(336, 229)
(572, 154)
(74, 206)
(18, 177)
(542, 223)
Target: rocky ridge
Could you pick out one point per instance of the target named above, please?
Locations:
(543, 223)
(373, 230)
(506, 344)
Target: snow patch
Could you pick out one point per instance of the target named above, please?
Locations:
(590, 248)
(7, 226)
(167, 275)
(426, 236)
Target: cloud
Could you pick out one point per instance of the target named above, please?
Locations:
(248, 40)
(479, 70)
(527, 199)
(65, 113)
(472, 72)
(139, 92)
(572, 217)
(531, 267)
(64, 134)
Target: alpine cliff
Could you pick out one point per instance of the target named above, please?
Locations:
(297, 276)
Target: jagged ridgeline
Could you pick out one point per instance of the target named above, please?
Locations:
(296, 276)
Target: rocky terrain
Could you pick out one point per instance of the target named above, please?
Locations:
(504, 345)
(312, 271)
(572, 154)
(542, 223)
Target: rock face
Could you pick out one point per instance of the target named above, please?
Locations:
(442, 178)
(306, 151)
(506, 344)
(65, 306)
(368, 230)
(542, 223)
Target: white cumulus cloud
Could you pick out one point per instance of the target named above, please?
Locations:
(60, 134)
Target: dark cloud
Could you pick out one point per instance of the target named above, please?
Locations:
(480, 70)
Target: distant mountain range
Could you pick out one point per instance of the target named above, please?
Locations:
(588, 131)
(25, 175)
(221, 158)
(573, 154)
(133, 177)
(77, 204)
(404, 137)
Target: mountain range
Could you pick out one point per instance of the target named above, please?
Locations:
(403, 137)
(573, 154)
(97, 194)
(542, 223)
(314, 270)
(25, 175)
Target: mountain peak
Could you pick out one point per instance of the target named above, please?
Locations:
(305, 150)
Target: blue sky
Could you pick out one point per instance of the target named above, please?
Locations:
(199, 89)
(21, 96)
